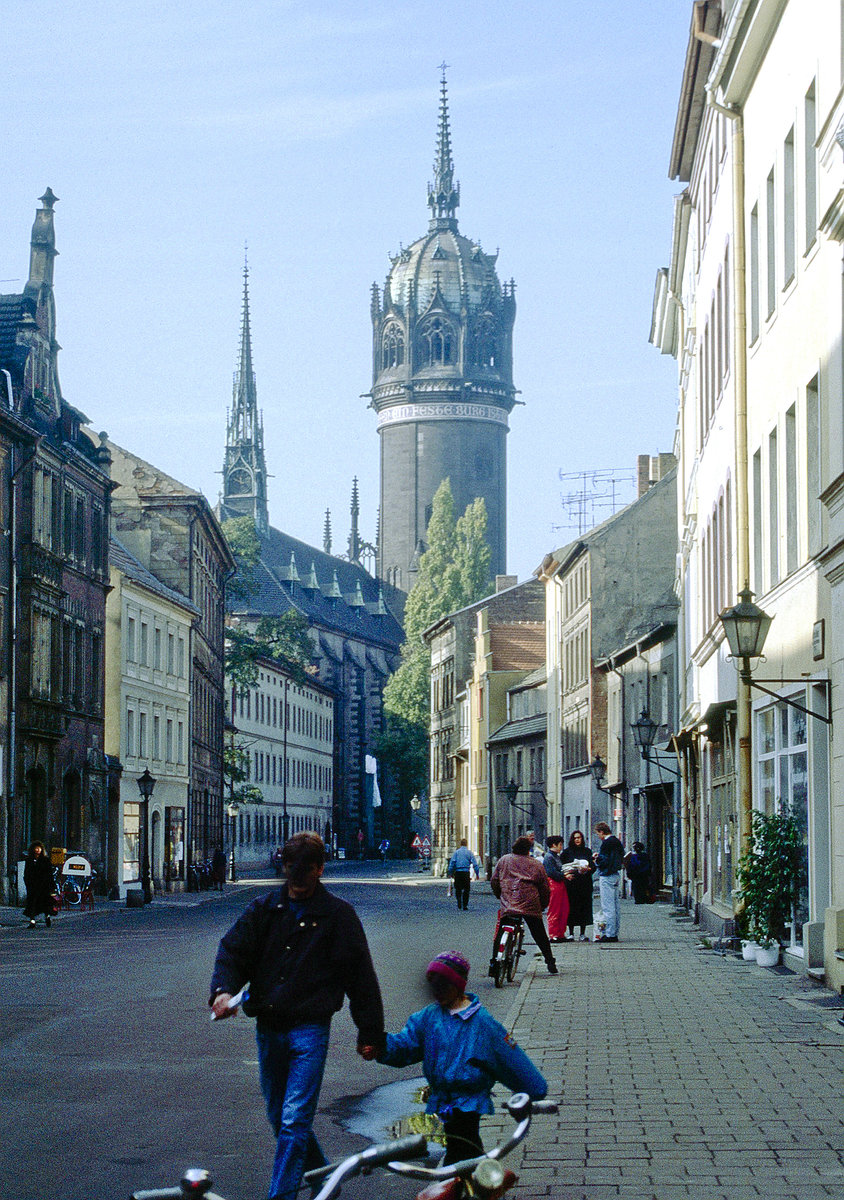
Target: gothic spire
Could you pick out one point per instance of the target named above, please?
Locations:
(443, 193)
(326, 532)
(354, 534)
(245, 470)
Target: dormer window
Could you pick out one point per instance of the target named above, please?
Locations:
(436, 343)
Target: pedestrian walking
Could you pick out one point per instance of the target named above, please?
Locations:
(609, 861)
(520, 883)
(464, 1051)
(578, 868)
(38, 880)
(637, 864)
(460, 867)
(558, 905)
(218, 869)
(301, 950)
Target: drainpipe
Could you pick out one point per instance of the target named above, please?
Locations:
(742, 523)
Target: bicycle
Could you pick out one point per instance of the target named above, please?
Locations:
(507, 943)
(480, 1178)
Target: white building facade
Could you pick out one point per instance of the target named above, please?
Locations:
(288, 732)
(148, 639)
(751, 307)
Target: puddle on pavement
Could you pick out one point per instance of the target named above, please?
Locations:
(392, 1111)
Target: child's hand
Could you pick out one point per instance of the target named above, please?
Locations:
(367, 1052)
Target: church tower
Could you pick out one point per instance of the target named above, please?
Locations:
(442, 378)
(244, 467)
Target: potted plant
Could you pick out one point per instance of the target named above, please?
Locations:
(768, 879)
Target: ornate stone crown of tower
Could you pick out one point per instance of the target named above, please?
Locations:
(442, 378)
(244, 466)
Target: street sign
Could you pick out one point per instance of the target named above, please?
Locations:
(416, 844)
(426, 845)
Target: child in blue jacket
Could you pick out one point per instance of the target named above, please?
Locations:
(464, 1051)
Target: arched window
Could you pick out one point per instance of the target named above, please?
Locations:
(392, 347)
(436, 342)
(486, 342)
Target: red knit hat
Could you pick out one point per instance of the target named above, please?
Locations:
(450, 966)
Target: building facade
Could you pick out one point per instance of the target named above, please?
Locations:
(148, 722)
(170, 529)
(476, 653)
(751, 307)
(599, 590)
(442, 379)
(56, 780)
(286, 730)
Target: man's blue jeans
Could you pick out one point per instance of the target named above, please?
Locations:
(291, 1064)
(608, 889)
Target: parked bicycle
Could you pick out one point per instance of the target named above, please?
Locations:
(480, 1178)
(507, 948)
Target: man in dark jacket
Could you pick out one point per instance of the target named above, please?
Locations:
(609, 860)
(301, 950)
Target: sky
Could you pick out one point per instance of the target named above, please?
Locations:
(174, 135)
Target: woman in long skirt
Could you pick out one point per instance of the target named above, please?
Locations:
(558, 905)
(38, 878)
(578, 869)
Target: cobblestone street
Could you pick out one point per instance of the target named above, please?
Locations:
(685, 1074)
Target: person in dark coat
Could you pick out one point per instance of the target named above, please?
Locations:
(38, 880)
(637, 864)
(301, 950)
(578, 883)
(218, 869)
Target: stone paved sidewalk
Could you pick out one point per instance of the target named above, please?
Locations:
(683, 1074)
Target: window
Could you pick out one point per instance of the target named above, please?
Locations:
(130, 639)
(754, 274)
(758, 585)
(791, 515)
(171, 654)
(783, 782)
(157, 648)
(773, 509)
(143, 656)
(130, 733)
(813, 465)
(156, 737)
(142, 735)
(393, 347)
(788, 216)
(168, 743)
(436, 342)
(771, 243)
(810, 167)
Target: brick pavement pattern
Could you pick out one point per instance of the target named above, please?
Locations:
(709, 1078)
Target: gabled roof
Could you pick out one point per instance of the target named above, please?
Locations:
(514, 731)
(125, 562)
(280, 588)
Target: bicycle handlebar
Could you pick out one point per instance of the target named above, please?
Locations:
(361, 1164)
(520, 1107)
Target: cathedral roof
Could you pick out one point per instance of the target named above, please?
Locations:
(347, 601)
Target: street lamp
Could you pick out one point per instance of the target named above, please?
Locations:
(746, 627)
(598, 771)
(146, 786)
(231, 811)
(644, 734)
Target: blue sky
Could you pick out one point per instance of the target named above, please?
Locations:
(174, 134)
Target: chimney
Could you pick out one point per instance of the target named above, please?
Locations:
(505, 581)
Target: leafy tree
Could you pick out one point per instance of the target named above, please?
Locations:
(453, 572)
(283, 639)
(236, 774)
(245, 545)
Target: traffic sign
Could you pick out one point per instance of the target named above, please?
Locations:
(426, 845)
(416, 844)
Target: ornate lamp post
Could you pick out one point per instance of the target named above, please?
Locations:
(146, 786)
(598, 771)
(231, 812)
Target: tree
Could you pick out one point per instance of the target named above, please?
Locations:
(245, 545)
(284, 640)
(236, 774)
(453, 572)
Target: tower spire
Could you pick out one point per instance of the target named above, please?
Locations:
(354, 535)
(443, 193)
(245, 469)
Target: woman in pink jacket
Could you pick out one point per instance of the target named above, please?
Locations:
(520, 883)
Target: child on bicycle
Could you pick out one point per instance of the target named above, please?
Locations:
(464, 1051)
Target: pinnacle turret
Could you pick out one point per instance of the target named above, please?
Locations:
(443, 193)
(245, 470)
